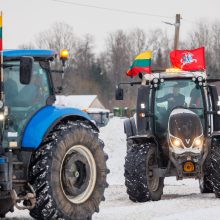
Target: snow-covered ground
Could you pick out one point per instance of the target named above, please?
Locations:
(181, 200)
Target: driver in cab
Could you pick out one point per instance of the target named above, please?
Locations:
(174, 99)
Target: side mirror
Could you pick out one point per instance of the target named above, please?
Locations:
(26, 69)
(119, 93)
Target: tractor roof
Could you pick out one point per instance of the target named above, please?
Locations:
(15, 54)
(176, 75)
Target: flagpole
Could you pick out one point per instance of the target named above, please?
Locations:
(1, 61)
(177, 32)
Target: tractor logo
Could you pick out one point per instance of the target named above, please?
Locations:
(187, 141)
(187, 58)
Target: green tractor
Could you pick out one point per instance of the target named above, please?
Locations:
(175, 132)
(51, 158)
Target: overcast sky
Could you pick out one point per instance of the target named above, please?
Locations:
(23, 19)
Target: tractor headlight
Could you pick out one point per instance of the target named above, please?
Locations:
(198, 142)
(200, 78)
(176, 142)
(1, 104)
(155, 80)
(2, 117)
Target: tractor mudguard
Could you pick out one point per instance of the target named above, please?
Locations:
(44, 120)
(130, 127)
(149, 137)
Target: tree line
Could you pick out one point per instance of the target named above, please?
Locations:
(89, 72)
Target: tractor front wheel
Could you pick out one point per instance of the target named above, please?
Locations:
(6, 205)
(68, 173)
(141, 182)
(215, 168)
(205, 184)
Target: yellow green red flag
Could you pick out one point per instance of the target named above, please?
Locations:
(145, 55)
(141, 64)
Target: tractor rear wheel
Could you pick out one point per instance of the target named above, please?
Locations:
(142, 185)
(205, 184)
(215, 168)
(68, 173)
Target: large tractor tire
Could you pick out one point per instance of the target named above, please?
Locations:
(142, 185)
(205, 183)
(6, 205)
(68, 173)
(215, 166)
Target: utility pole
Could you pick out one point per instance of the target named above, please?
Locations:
(177, 32)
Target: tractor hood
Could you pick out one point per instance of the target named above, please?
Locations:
(185, 125)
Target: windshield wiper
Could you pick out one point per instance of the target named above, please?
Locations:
(9, 65)
(194, 108)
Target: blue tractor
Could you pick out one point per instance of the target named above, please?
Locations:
(51, 158)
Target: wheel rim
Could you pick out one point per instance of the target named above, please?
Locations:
(153, 181)
(78, 174)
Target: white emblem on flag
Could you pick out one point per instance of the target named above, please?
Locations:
(187, 58)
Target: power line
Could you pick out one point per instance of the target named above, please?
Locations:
(110, 9)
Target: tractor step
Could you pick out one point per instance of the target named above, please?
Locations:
(29, 199)
(161, 172)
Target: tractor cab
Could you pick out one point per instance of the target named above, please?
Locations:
(24, 98)
(176, 92)
(180, 121)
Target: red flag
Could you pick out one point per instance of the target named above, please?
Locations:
(188, 59)
(134, 71)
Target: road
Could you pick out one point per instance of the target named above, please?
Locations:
(181, 200)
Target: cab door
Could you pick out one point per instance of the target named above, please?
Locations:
(213, 95)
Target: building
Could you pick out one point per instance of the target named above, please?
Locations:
(83, 102)
(88, 103)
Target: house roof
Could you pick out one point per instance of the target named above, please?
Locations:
(77, 101)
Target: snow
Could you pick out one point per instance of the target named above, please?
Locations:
(97, 110)
(181, 200)
(78, 101)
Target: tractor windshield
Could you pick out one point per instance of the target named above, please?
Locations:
(171, 94)
(24, 100)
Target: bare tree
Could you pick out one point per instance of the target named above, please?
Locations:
(200, 35)
(215, 30)
(84, 56)
(208, 35)
(26, 46)
(59, 36)
(137, 40)
(118, 55)
(159, 42)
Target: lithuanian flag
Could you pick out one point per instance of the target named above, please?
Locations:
(1, 46)
(141, 64)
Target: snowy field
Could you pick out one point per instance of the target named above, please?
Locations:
(181, 199)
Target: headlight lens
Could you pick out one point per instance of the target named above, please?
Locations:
(2, 117)
(1, 104)
(198, 141)
(176, 142)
